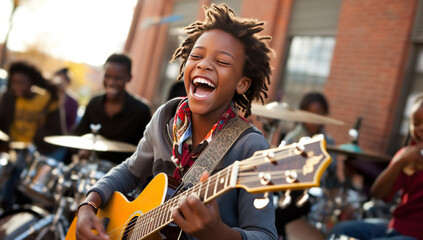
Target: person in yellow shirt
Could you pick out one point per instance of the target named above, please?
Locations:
(28, 112)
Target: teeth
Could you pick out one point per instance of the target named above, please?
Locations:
(204, 81)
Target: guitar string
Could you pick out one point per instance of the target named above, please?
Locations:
(171, 202)
(155, 210)
(174, 199)
(252, 162)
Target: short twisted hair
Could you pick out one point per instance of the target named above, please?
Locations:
(257, 60)
(122, 59)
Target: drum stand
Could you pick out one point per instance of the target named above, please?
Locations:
(57, 221)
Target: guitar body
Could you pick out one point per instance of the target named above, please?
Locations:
(118, 212)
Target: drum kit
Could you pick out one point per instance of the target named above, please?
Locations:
(328, 206)
(53, 188)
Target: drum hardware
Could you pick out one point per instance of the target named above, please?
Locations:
(4, 136)
(54, 223)
(5, 167)
(14, 222)
(51, 183)
(40, 180)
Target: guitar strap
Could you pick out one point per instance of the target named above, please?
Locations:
(216, 150)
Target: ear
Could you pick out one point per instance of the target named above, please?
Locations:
(243, 85)
(129, 79)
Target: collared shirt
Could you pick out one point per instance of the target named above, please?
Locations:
(126, 126)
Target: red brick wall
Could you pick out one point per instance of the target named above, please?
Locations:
(368, 68)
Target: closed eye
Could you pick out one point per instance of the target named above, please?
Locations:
(194, 56)
(223, 63)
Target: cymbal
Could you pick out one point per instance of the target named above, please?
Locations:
(3, 136)
(87, 142)
(282, 111)
(353, 150)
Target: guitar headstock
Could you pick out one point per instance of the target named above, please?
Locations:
(295, 166)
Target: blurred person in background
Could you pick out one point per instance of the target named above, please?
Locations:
(291, 218)
(67, 99)
(122, 116)
(177, 90)
(29, 111)
(404, 175)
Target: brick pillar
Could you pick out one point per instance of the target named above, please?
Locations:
(367, 68)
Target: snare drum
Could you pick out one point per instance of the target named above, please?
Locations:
(88, 175)
(40, 180)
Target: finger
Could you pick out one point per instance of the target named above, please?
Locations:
(185, 208)
(204, 176)
(98, 226)
(200, 212)
(178, 216)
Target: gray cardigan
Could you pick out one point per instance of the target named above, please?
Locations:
(153, 155)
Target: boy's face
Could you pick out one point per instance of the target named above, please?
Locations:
(416, 124)
(213, 73)
(20, 84)
(115, 78)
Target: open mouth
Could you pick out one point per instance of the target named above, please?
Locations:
(203, 87)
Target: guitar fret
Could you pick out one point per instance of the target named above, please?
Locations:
(152, 220)
(206, 190)
(144, 226)
(173, 205)
(228, 174)
(138, 227)
(221, 182)
(199, 191)
(216, 182)
(160, 216)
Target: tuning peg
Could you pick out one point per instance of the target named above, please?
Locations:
(265, 178)
(304, 140)
(282, 144)
(291, 176)
(270, 157)
(285, 200)
(261, 203)
(303, 199)
(299, 148)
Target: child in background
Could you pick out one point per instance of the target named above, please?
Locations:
(404, 174)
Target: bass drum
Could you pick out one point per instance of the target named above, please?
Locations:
(14, 223)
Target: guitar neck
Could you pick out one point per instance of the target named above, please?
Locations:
(161, 216)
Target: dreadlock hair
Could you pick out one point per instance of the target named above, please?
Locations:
(256, 62)
(34, 75)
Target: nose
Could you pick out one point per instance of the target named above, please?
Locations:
(204, 65)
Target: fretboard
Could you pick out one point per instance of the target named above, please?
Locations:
(161, 216)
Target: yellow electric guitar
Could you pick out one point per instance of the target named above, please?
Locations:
(296, 166)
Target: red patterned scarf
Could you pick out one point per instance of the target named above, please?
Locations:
(183, 154)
